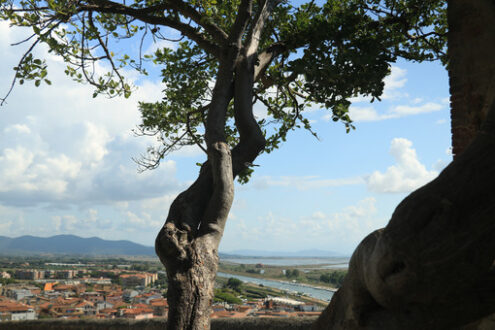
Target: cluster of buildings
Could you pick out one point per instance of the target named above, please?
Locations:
(74, 301)
(266, 307)
(72, 294)
(34, 274)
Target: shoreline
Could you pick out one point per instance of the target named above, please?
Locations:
(261, 277)
(331, 289)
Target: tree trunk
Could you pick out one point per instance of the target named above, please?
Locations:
(188, 250)
(432, 266)
(471, 68)
(188, 242)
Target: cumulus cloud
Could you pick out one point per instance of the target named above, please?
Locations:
(62, 147)
(23, 170)
(406, 175)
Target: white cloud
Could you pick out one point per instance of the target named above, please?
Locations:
(359, 114)
(93, 146)
(338, 231)
(143, 220)
(65, 223)
(303, 182)
(404, 110)
(159, 204)
(362, 114)
(17, 128)
(396, 80)
(392, 91)
(407, 175)
(5, 227)
(88, 222)
(61, 146)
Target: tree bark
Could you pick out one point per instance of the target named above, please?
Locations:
(188, 242)
(471, 67)
(432, 266)
(190, 254)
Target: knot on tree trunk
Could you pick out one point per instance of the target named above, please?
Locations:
(172, 245)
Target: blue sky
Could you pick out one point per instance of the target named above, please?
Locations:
(66, 168)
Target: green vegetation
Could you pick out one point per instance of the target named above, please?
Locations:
(227, 296)
(292, 273)
(250, 291)
(301, 274)
(335, 277)
(5, 281)
(235, 284)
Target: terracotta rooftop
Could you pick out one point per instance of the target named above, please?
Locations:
(12, 306)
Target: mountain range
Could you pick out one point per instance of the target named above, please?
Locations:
(94, 246)
(71, 245)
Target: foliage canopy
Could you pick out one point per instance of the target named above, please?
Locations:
(311, 54)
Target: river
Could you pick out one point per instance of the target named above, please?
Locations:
(316, 263)
(318, 293)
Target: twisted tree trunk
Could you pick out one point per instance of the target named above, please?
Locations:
(188, 242)
(432, 266)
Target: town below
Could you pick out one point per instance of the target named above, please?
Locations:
(68, 287)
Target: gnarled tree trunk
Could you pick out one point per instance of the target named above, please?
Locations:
(432, 266)
(188, 242)
(471, 67)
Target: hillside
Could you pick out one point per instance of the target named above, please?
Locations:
(71, 244)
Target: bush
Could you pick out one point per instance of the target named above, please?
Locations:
(335, 278)
(234, 284)
(221, 295)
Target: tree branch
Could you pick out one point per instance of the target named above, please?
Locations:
(266, 57)
(241, 22)
(214, 30)
(2, 100)
(254, 35)
(106, 6)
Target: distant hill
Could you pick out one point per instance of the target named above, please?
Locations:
(283, 254)
(71, 245)
(94, 246)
